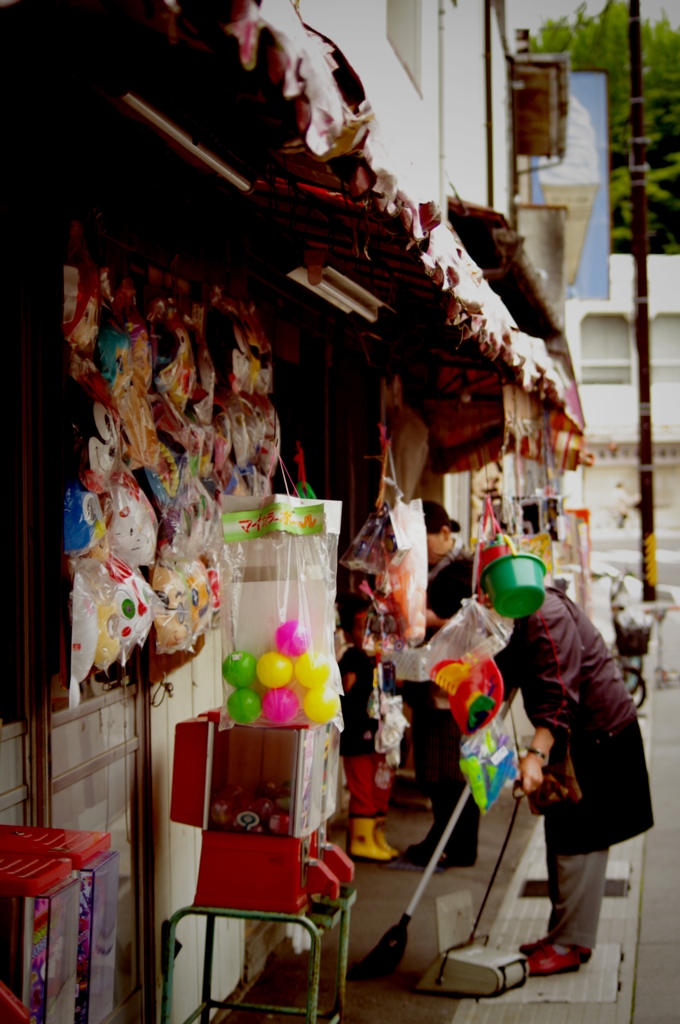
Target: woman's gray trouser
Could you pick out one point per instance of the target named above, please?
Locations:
(576, 887)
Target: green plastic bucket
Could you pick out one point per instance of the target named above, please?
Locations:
(515, 584)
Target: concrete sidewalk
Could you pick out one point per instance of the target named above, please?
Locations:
(657, 988)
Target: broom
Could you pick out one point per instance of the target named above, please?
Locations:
(387, 955)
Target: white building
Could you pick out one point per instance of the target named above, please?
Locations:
(601, 335)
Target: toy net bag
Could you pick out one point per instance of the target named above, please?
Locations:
(278, 614)
(488, 760)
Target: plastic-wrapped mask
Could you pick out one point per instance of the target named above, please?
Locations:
(173, 359)
(94, 638)
(173, 624)
(113, 355)
(84, 525)
(102, 449)
(136, 605)
(198, 583)
(133, 527)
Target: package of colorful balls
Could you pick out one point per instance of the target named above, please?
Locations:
(278, 616)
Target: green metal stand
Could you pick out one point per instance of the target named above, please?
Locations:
(320, 917)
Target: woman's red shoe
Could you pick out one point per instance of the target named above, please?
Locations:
(546, 960)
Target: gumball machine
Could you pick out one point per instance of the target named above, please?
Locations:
(262, 796)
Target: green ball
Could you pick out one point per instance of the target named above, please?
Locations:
(239, 668)
(244, 706)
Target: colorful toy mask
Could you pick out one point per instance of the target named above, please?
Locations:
(113, 355)
(136, 605)
(198, 583)
(84, 524)
(94, 634)
(173, 624)
(125, 305)
(132, 521)
(173, 360)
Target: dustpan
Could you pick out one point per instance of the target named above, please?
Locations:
(476, 971)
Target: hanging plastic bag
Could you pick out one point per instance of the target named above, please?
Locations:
(366, 552)
(382, 634)
(488, 760)
(245, 341)
(132, 523)
(112, 355)
(472, 635)
(407, 571)
(136, 603)
(94, 616)
(81, 294)
(277, 627)
(84, 524)
(173, 622)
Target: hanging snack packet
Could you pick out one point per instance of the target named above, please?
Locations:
(488, 761)
(278, 614)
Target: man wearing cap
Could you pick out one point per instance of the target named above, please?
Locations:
(436, 737)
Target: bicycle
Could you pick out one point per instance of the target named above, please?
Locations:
(632, 627)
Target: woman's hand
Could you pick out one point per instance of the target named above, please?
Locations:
(532, 773)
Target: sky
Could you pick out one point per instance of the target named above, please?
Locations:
(530, 13)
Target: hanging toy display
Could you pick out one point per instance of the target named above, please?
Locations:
(278, 638)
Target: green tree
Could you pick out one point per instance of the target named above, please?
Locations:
(601, 42)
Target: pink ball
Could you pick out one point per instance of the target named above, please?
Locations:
(293, 639)
(280, 705)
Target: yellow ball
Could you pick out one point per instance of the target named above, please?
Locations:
(312, 670)
(321, 704)
(274, 670)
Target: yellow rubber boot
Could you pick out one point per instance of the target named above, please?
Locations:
(362, 840)
(381, 839)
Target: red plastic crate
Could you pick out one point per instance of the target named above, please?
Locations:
(23, 874)
(79, 846)
(12, 1011)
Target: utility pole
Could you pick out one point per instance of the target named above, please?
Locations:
(638, 167)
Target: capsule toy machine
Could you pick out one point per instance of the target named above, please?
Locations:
(260, 795)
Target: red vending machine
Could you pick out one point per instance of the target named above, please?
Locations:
(262, 796)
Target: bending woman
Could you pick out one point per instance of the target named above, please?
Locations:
(579, 705)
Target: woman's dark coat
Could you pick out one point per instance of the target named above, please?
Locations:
(571, 685)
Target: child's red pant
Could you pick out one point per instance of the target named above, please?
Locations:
(369, 778)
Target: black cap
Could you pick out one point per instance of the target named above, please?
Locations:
(436, 517)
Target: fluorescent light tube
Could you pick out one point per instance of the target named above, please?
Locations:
(172, 130)
(341, 292)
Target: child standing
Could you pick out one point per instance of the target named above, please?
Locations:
(369, 777)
